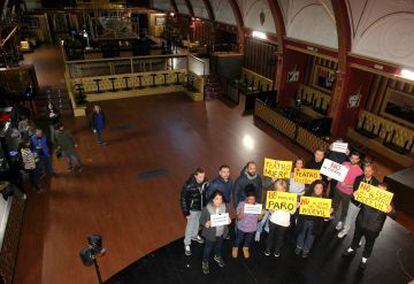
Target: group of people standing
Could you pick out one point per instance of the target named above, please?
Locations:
(200, 199)
(27, 152)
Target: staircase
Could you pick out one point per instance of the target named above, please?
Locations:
(58, 97)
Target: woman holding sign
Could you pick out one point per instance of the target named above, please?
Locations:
(309, 226)
(279, 222)
(248, 213)
(369, 224)
(215, 220)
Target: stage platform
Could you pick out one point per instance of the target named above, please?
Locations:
(393, 253)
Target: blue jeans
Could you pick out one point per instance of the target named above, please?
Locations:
(262, 223)
(209, 246)
(306, 237)
(72, 156)
(45, 161)
(99, 137)
(244, 238)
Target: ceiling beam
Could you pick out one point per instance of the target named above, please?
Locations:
(190, 8)
(340, 95)
(210, 12)
(279, 22)
(174, 4)
(237, 13)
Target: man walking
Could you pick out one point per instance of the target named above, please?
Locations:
(66, 143)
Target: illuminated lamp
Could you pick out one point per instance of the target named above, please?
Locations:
(259, 35)
(406, 74)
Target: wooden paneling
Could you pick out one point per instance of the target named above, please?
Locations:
(260, 57)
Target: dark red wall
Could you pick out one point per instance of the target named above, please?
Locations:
(288, 90)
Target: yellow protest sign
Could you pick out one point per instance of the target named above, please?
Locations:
(277, 169)
(278, 200)
(306, 176)
(315, 206)
(373, 196)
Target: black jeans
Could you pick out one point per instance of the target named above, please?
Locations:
(276, 236)
(244, 238)
(370, 238)
(33, 178)
(209, 246)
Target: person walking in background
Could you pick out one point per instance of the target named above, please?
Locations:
(247, 176)
(246, 224)
(279, 223)
(28, 159)
(309, 227)
(66, 143)
(98, 124)
(343, 190)
(369, 224)
(53, 119)
(222, 183)
(214, 235)
(192, 201)
(40, 146)
(354, 206)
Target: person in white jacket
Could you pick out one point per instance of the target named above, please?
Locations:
(279, 223)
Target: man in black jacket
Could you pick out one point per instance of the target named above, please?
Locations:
(369, 224)
(248, 176)
(192, 201)
(354, 206)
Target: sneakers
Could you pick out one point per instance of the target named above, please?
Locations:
(361, 242)
(235, 252)
(363, 264)
(246, 252)
(339, 226)
(187, 250)
(257, 237)
(276, 254)
(267, 252)
(305, 254)
(342, 233)
(349, 252)
(205, 267)
(219, 260)
(198, 239)
(298, 250)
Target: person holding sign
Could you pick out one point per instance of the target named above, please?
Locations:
(279, 222)
(297, 187)
(318, 158)
(354, 206)
(215, 229)
(248, 176)
(247, 220)
(343, 191)
(309, 227)
(192, 201)
(369, 224)
(335, 154)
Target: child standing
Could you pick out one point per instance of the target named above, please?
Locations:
(279, 222)
(29, 164)
(246, 226)
(309, 226)
(214, 236)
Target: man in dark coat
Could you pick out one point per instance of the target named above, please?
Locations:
(192, 201)
(222, 183)
(369, 224)
(355, 206)
(247, 176)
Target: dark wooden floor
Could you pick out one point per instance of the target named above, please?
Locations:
(134, 216)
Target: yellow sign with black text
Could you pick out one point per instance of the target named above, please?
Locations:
(277, 169)
(315, 206)
(373, 196)
(306, 176)
(279, 200)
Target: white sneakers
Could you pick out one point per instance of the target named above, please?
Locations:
(339, 226)
(342, 233)
(187, 250)
(198, 239)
